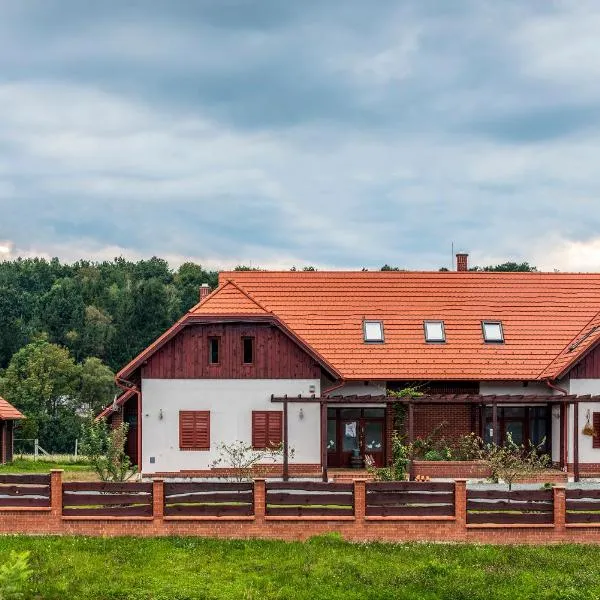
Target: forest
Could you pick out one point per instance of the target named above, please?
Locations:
(65, 329)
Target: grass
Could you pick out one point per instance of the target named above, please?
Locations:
(189, 568)
(75, 469)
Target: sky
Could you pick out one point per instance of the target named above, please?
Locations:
(335, 133)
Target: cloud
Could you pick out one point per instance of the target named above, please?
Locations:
(285, 134)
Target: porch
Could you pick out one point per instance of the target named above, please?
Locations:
(354, 426)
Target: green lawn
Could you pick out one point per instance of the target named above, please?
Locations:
(78, 469)
(323, 568)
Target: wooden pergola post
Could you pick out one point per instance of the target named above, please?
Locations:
(411, 434)
(576, 441)
(496, 437)
(286, 470)
(324, 440)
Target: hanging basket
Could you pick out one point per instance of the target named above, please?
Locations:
(588, 429)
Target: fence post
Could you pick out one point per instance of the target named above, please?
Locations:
(260, 498)
(360, 499)
(56, 492)
(560, 508)
(460, 505)
(158, 499)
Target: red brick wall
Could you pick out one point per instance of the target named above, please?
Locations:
(356, 528)
(458, 419)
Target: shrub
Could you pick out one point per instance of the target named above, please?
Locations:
(14, 575)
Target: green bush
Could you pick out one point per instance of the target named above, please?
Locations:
(14, 575)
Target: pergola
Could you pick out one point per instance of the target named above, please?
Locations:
(481, 400)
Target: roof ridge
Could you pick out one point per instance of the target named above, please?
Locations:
(571, 342)
(201, 302)
(248, 295)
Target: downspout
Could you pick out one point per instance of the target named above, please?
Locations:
(563, 425)
(127, 386)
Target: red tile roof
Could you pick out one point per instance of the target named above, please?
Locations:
(8, 412)
(543, 314)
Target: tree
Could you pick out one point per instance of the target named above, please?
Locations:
(41, 381)
(387, 267)
(507, 267)
(105, 449)
(12, 326)
(97, 385)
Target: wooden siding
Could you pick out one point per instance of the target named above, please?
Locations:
(588, 367)
(275, 355)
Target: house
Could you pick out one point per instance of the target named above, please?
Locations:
(8, 415)
(308, 359)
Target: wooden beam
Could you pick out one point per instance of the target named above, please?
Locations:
(324, 440)
(286, 473)
(562, 458)
(495, 437)
(411, 435)
(576, 441)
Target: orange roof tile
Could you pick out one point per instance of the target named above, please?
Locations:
(8, 412)
(542, 314)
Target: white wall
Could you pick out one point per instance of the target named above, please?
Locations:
(360, 388)
(587, 454)
(231, 402)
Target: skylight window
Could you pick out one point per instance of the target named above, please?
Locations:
(492, 332)
(373, 331)
(434, 331)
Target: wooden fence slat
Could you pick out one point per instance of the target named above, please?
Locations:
(408, 511)
(20, 490)
(106, 486)
(301, 511)
(582, 505)
(572, 494)
(94, 499)
(25, 479)
(16, 502)
(246, 497)
(510, 518)
(310, 499)
(583, 517)
(390, 498)
(122, 511)
(310, 486)
(505, 505)
(204, 486)
(409, 486)
(543, 495)
(187, 510)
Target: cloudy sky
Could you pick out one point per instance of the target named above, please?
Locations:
(337, 133)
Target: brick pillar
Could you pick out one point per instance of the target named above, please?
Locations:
(56, 492)
(360, 499)
(460, 505)
(158, 499)
(260, 499)
(560, 508)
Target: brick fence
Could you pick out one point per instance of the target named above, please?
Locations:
(359, 511)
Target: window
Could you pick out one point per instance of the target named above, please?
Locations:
(267, 429)
(434, 331)
(596, 427)
(492, 332)
(213, 350)
(373, 331)
(248, 348)
(194, 430)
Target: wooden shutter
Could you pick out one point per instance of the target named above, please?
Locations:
(267, 429)
(596, 426)
(194, 430)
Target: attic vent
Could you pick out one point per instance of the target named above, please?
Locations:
(582, 339)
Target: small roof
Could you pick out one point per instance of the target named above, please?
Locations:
(8, 412)
(548, 319)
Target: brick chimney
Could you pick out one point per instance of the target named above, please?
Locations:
(204, 291)
(462, 261)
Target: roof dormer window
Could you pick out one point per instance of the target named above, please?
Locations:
(373, 331)
(492, 332)
(434, 332)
